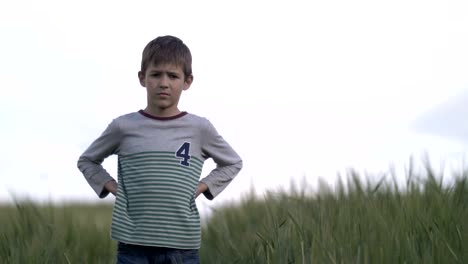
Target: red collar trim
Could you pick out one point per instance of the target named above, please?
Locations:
(181, 114)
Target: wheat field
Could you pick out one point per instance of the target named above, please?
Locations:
(424, 221)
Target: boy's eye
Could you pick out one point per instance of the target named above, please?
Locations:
(159, 74)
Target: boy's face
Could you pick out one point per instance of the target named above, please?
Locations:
(164, 84)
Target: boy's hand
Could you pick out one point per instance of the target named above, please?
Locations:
(201, 188)
(111, 186)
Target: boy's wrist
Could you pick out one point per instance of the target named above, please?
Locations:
(201, 188)
(111, 186)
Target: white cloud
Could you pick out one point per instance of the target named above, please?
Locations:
(446, 119)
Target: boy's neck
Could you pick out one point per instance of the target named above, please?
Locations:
(162, 112)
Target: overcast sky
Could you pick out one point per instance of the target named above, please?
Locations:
(299, 88)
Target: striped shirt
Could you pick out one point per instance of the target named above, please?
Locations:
(160, 161)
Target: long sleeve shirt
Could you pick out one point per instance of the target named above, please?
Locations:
(160, 161)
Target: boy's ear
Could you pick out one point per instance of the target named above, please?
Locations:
(188, 82)
(141, 78)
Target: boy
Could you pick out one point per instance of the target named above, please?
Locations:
(160, 151)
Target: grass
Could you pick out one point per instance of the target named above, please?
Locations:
(424, 221)
(31, 233)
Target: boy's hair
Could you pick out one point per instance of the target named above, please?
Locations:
(167, 49)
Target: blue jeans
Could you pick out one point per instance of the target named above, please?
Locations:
(135, 254)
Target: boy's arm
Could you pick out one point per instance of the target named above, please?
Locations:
(90, 162)
(228, 163)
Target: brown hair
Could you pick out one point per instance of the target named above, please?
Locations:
(167, 49)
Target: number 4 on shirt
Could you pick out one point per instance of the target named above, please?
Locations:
(183, 153)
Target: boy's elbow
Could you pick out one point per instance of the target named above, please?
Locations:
(83, 163)
(239, 165)
(236, 168)
(80, 163)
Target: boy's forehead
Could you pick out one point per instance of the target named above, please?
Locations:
(172, 67)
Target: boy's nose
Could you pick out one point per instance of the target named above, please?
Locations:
(164, 82)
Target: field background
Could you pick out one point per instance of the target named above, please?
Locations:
(425, 221)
